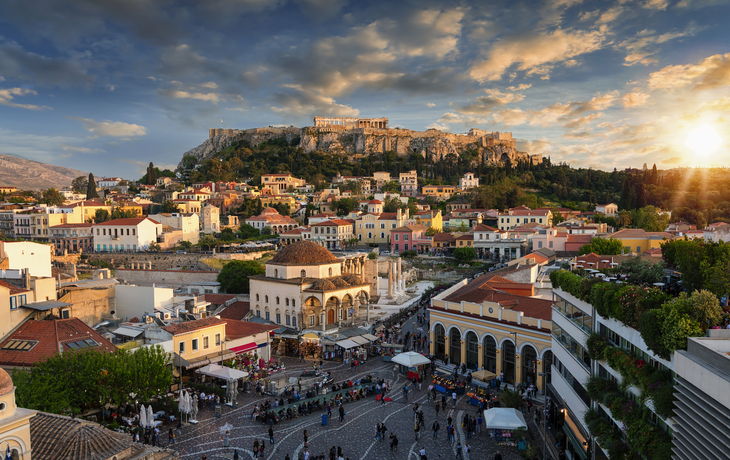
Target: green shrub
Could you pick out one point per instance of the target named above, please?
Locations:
(650, 327)
(372, 255)
(408, 254)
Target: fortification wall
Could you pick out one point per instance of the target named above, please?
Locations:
(165, 278)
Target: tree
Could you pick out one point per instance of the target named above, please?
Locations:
(80, 184)
(390, 186)
(431, 231)
(155, 247)
(207, 240)
(602, 246)
(101, 215)
(465, 255)
(170, 207)
(511, 398)
(91, 188)
(706, 309)
(53, 197)
(624, 219)
(151, 174)
(186, 244)
(246, 231)
(227, 235)
(234, 276)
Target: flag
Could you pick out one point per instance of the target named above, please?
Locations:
(7, 453)
(221, 121)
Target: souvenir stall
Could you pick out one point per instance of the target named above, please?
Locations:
(411, 362)
(348, 349)
(389, 350)
(310, 345)
(483, 378)
(502, 423)
(448, 385)
(482, 395)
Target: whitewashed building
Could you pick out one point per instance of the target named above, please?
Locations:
(135, 234)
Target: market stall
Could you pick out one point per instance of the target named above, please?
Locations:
(411, 361)
(448, 385)
(483, 378)
(503, 422)
(481, 395)
(389, 350)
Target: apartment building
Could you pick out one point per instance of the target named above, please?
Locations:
(188, 223)
(135, 234)
(72, 238)
(280, 183)
(468, 181)
(439, 192)
(35, 224)
(333, 233)
(375, 228)
(408, 183)
(520, 216)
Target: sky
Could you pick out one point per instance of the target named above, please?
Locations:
(109, 86)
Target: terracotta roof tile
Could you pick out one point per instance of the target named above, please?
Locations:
(218, 299)
(188, 326)
(303, 253)
(50, 334)
(237, 329)
(236, 311)
(13, 289)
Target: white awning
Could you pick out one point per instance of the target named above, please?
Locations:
(371, 337)
(347, 344)
(127, 332)
(360, 340)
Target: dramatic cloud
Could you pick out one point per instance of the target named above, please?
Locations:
(635, 98)
(111, 128)
(536, 53)
(303, 103)
(642, 47)
(673, 160)
(70, 148)
(712, 72)
(569, 113)
(486, 104)
(16, 62)
(7, 96)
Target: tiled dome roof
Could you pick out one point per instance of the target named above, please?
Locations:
(6, 383)
(323, 285)
(303, 253)
(339, 282)
(353, 280)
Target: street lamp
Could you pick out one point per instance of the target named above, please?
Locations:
(515, 362)
(544, 427)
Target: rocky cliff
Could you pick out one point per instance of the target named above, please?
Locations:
(30, 175)
(364, 141)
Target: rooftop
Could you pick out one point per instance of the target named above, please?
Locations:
(236, 329)
(236, 311)
(303, 253)
(189, 326)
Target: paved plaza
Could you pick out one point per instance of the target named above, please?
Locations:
(356, 435)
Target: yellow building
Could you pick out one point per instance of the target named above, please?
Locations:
(431, 218)
(128, 206)
(481, 325)
(375, 228)
(88, 209)
(199, 342)
(440, 192)
(187, 205)
(14, 421)
(637, 240)
(268, 200)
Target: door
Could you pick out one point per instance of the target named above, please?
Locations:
(330, 316)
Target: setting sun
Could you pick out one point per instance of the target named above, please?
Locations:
(703, 141)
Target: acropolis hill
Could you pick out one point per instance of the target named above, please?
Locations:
(362, 136)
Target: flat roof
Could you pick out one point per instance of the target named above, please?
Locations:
(46, 305)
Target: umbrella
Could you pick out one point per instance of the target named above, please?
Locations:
(503, 418)
(411, 359)
(194, 406)
(143, 417)
(150, 416)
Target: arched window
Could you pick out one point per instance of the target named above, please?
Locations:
(330, 271)
(455, 352)
(489, 347)
(267, 299)
(257, 297)
(276, 273)
(382, 235)
(287, 302)
(277, 300)
(303, 274)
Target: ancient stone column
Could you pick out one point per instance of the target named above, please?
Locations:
(400, 275)
(390, 280)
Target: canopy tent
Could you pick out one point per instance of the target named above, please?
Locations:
(360, 340)
(310, 336)
(222, 372)
(484, 375)
(371, 337)
(347, 344)
(503, 418)
(411, 359)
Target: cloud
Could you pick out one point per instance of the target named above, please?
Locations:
(536, 53)
(80, 149)
(511, 117)
(321, 9)
(711, 72)
(486, 104)
(655, 4)
(635, 98)
(578, 122)
(438, 126)
(430, 104)
(16, 62)
(299, 102)
(673, 160)
(207, 97)
(110, 128)
(7, 96)
(642, 47)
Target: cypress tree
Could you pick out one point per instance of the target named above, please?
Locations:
(91, 188)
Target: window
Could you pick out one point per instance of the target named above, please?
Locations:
(134, 230)
(288, 320)
(267, 299)
(382, 235)
(638, 249)
(278, 318)
(539, 244)
(294, 320)
(104, 231)
(311, 320)
(396, 237)
(293, 303)
(405, 237)
(19, 345)
(181, 350)
(217, 340)
(268, 316)
(13, 303)
(277, 298)
(65, 313)
(276, 273)
(206, 345)
(303, 274)
(330, 271)
(287, 302)
(195, 345)
(257, 297)
(382, 225)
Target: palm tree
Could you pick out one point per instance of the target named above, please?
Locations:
(624, 219)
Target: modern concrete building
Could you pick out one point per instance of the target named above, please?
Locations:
(135, 234)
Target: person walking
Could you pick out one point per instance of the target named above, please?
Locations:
(171, 438)
(422, 453)
(453, 398)
(226, 440)
(458, 451)
(405, 392)
(377, 431)
(271, 435)
(306, 437)
(435, 427)
(438, 408)
(262, 446)
(479, 424)
(417, 430)
(236, 456)
(342, 414)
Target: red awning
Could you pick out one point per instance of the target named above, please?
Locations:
(244, 348)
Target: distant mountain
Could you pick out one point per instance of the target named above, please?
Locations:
(30, 175)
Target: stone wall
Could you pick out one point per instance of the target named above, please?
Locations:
(164, 278)
(91, 306)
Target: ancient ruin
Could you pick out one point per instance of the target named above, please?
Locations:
(351, 122)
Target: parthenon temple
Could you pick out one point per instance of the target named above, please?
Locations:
(351, 122)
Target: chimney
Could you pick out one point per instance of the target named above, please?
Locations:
(26, 277)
